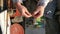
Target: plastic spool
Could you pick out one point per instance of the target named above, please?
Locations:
(16, 29)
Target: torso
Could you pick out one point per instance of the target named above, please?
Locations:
(30, 4)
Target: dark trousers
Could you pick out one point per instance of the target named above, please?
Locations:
(52, 26)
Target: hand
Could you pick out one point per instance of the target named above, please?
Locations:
(23, 10)
(38, 12)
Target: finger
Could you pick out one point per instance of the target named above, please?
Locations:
(35, 12)
(39, 15)
(28, 13)
(36, 16)
(25, 15)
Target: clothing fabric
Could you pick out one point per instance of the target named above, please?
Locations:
(50, 9)
(52, 26)
(40, 2)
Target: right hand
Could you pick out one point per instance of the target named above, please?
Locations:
(23, 10)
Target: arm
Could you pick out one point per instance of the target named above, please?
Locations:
(40, 8)
(43, 3)
(22, 9)
(15, 1)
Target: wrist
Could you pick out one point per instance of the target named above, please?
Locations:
(41, 7)
(18, 4)
(19, 7)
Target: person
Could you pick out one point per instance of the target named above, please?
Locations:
(23, 10)
(52, 24)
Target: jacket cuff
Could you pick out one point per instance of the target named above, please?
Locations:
(43, 2)
(15, 1)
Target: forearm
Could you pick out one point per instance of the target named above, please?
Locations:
(16, 1)
(43, 3)
(19, 7)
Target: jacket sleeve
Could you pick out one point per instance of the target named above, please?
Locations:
(43, 2)
(15, 1)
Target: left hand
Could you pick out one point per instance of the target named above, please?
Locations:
(38, 12)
